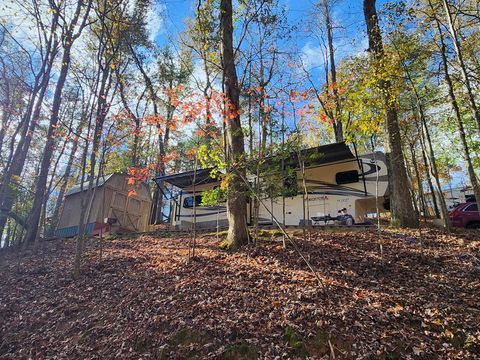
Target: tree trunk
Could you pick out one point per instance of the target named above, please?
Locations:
(458, 117)
(419, 180)
(434, 171)
(429, 178)
(463, 68)
(425, 134)
(88, 196)
(236, 201)
(7, 105)
(68, 38)
(410, 177)
(66, 176)
(17, 162)
(337, 123)
(136, 138)
(402, 206)
(157, 216)
(34, 215)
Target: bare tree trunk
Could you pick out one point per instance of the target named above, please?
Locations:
(79, 242)
(156, 216)
(410, 177)
(421, 196)
(458, 117)
(40, 189)
(337, 123)
(429, 178)
(402, 206)
(433, 168)
(66, 176)
(136, 137)
(463, 68)
(87, 200)
(425, 134)
(34, 216)
(6, 243)
(30, 121)
(284, 240)
(305, 197)
(236, 200)
(250, 117)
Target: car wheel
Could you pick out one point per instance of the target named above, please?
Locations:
(473, 225)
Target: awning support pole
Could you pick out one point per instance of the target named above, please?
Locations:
(360, 166)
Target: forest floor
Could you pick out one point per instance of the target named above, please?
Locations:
(144, 300)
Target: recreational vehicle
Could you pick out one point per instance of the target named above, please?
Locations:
(336, 181)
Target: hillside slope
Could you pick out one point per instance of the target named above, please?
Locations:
(145, 301)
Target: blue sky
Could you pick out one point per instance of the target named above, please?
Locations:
(349, 34)
(347, 14)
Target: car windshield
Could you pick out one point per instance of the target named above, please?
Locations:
(456, 207)
(471, 207)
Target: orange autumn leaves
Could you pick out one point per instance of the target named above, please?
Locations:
(137, 175)
(206, 112)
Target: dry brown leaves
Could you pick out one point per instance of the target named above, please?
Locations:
(145, 301)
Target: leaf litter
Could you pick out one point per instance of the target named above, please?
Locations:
(144, 300)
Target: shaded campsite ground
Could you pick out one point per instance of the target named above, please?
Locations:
(145, 301)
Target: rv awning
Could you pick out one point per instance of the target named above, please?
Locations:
(185, 179)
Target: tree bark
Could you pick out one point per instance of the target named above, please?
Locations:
(434, 171)
(66, 176)
(429, 178)
(157, 211)
(458, 117)
(463, 68)
(412, 192)
(337, 123)
(419, 180)
(236, 200)
(16, 163)
(402, 206)
(89, 194)
(34, 216)
(69, 36)
(425, 134)
(136, 138)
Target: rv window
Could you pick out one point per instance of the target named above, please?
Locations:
(188, 201)
(346, 177)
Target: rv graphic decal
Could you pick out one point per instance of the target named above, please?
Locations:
(204, 214)
(333, 189)
(372, 168)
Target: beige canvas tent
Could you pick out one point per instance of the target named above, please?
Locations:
(111, 200)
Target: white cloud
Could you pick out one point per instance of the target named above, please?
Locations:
(355, 47)
(199, 78)
(16, 17)
(155, 24)
(198, 74)
(312, 56)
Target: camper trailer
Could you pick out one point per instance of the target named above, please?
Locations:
(339, 185)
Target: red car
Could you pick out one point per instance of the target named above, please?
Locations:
(465, 215)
